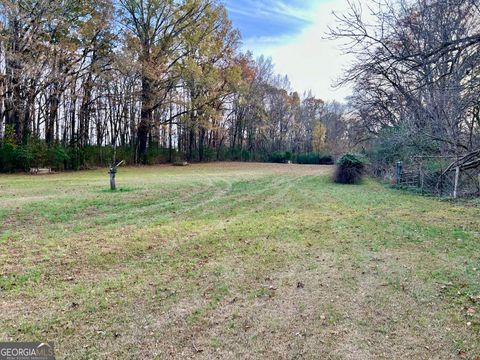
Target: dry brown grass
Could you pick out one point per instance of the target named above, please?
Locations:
(231, 260)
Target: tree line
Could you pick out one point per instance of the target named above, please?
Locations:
(85, 81)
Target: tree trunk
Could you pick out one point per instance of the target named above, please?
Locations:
(145, 119)
(201, 144)
(191, 142)
(52, 116)
(170, 144)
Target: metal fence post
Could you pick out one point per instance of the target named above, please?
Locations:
(457, 177)
(422, 180)
(399, 172)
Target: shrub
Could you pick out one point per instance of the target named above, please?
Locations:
(314, 159)
(350, 168)
(394, 144)
(280, 156)
(23, 157)
(157, 155)
(58, 157)
(76, 157)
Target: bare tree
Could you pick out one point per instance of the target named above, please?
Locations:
(416, 68)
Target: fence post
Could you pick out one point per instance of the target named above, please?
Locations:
(399, 172)
(441, 182)
(112, 172)
(457, 176)
(422, 179)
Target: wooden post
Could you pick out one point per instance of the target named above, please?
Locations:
(112, 172)
(457, 177)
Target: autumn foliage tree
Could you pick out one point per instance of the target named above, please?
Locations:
(146, 80)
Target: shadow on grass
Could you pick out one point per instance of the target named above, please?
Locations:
(120, 190)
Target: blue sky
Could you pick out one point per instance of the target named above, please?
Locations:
(270, 18)
(292, 33)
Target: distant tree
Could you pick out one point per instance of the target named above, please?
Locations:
(415, 71)
(319, 137)
(152, 29)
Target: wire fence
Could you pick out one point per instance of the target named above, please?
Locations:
(435, 176)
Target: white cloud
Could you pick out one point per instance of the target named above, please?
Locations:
(310, 61)
(269, 8)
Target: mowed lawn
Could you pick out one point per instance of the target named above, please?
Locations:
(236, 261)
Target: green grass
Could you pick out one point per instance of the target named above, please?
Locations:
(206, 261)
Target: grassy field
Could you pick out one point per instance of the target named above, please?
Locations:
(236, 261)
